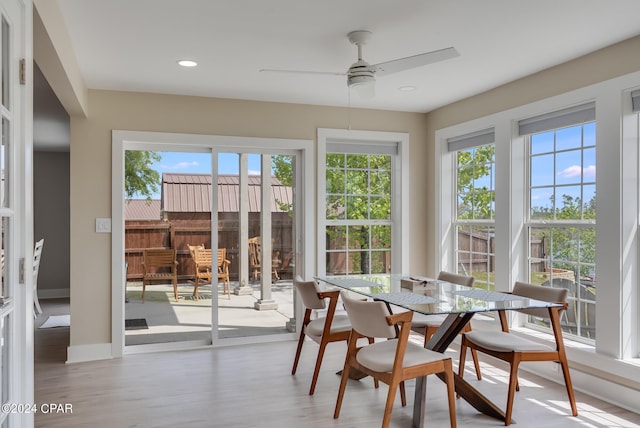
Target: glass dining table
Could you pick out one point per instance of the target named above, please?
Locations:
(430, 296)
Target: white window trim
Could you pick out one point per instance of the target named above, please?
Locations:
(400, 238)
(618, 256)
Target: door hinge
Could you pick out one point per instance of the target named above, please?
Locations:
(22, 73)
(21, 271)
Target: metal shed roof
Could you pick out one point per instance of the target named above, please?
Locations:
(142, 209)
(192, 193)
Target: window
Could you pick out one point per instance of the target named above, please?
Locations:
(358, 213)
(475, 207)
(362, 202)
(562, 213)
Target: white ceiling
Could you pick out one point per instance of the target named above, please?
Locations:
(134, 45)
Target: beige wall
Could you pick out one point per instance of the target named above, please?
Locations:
(91, 173)
(614, 61)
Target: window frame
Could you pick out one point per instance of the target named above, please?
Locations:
(458, 222)
(532, 223)
(399, 189)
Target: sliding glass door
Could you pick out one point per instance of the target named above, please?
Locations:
(230, 210)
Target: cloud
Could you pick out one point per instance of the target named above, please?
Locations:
(254, 172)
(576, 170)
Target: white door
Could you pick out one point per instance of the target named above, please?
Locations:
(16, 206)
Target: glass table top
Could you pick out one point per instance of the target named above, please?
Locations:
(430, 296)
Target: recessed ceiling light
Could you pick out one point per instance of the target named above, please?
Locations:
(407, 88)
(187, 63)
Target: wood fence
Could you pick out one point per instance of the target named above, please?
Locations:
(178, 234)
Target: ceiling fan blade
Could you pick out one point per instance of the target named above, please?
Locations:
(419, 60)
(276, 70)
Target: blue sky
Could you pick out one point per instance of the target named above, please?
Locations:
(575, 164)
(200, 163)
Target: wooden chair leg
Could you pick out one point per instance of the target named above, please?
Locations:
(463, 355)
(316, 371)
(298, 352)
(513, 380)
(391, 396)
(569, 386)
(476, 363)
(403, 395)
(450, 392)
(343, 385)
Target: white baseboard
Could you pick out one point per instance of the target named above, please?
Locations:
(82, 353)
(53, 293)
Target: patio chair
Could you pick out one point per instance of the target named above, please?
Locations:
(159, 265)
(322, 330)
(391, 361)
(223, 270)
(255, 259)
(202, 258)
(427, 325)
(516, 349)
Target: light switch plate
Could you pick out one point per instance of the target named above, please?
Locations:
(103, 225)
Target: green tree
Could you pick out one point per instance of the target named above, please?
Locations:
(570, 245)
(475, 201)
(358, 187)
(139, 176)
(283, 170)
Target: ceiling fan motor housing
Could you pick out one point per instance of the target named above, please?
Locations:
(360, 73)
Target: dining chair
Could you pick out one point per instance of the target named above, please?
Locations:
(37, 255)
(514, 349)
(390, 361)
(427, 325)
(323, 330)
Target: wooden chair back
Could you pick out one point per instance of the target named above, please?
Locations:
(154, 261)
(255, 258)
(203, 259)
(192, 249)
(222, 259)
(160, 265)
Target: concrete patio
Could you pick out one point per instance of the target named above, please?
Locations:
(189, 319)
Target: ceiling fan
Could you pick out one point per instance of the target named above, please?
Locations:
(361, 76)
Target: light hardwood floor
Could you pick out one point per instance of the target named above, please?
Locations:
(252, 386)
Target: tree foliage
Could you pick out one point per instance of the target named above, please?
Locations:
(358, 189)
(139, 176)
(569, 246)
(283, 170)
(475, 169)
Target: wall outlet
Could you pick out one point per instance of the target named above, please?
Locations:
(103, 225)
